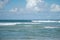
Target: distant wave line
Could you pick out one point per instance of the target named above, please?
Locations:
(44, 21)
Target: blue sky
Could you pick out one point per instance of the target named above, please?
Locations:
(29, 9)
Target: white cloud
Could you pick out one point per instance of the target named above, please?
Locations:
(32, 3)
(36, 5)
(55, 8)
(41, 6)
(3, 3)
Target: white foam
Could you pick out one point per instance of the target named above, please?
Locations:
(30, 23)
(44, 21)
(51, 27)
(58, 21)
(6, 24)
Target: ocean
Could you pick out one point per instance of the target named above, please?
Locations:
(29, 30)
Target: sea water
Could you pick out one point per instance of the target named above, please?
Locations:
(29, 30)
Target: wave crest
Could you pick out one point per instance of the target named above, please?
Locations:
(7, 24)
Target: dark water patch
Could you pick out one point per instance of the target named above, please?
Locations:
(15, 20)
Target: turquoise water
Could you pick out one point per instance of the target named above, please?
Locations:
(41, 31)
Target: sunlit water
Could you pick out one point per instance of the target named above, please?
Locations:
(37, 31)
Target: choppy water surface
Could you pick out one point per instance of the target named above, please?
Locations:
(41, 31)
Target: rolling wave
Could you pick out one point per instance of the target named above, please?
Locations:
(15, 23)
(7, 24)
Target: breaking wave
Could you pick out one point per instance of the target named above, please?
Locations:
(7, 24)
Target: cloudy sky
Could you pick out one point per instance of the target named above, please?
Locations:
(29, 9)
